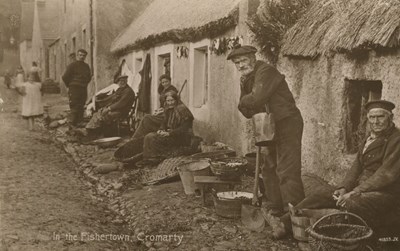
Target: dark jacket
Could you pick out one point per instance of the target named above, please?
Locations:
(77, 73)
(266, 85)
(122, 100)
(178, 121)
(378, 168)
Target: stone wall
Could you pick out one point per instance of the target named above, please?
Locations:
(318, 87)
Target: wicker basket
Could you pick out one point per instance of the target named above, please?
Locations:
(332, 233)
(228, 168)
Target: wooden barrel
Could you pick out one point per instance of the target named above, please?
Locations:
(299, 226)
(307, 218)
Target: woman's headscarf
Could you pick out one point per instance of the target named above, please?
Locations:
(178, 114)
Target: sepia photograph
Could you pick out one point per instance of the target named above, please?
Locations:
(200, 125)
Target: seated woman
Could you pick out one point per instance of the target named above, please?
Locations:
(150, 123)
(175, 130)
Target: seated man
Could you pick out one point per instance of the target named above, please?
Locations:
(371, 188)
(119, 107)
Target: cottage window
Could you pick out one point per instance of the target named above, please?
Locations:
(74, 44)
(65, 55)
(357, 94)
(84, 39)
(55, 65)
(200, 76)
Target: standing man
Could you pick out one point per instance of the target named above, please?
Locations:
(7, 79)
(76, 78)
(262, 84)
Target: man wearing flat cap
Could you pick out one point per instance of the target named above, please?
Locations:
(262, 84)
(371, 188)
(76, 78)
(119, 107)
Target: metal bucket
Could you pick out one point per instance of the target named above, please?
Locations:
(187, 171)
(229, 204)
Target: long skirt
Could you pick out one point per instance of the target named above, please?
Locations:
(157, 146)
(149, 123)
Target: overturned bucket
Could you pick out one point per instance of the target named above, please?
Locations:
(188, 170)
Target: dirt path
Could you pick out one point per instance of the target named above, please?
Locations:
(43, 203)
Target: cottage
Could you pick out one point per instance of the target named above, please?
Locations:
(45, 31)
(188, 39)
(337, 57)
(26, 31)
(87, 24)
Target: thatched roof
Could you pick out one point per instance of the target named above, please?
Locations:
(344, 25)
(175, 20)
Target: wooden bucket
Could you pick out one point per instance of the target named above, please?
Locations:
(306, 219)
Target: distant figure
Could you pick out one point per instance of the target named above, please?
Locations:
(76, 78)
(31, 99)
(72, 57)
(35, 71)
(7, 79)
(19, 76)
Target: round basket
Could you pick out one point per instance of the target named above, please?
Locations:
(228, 168)
(331, 234)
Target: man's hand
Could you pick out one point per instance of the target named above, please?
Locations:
(158, 111)
(339, 192)
(106, 110)
(343, 198)
(163, 133)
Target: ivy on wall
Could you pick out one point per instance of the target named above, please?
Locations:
(271, 22)
(209, 30)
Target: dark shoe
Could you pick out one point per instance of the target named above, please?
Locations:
(278, 228)
(272, 210)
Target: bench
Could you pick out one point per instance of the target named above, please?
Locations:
(204, 181)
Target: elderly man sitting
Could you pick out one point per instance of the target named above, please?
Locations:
(371, 188)
(119, 107)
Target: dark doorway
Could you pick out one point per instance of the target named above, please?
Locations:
(357, 94)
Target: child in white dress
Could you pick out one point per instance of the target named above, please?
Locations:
(31, 100)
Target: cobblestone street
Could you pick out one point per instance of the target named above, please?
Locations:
(43, 203)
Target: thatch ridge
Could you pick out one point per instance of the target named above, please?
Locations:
(341, 26)
(177, 21)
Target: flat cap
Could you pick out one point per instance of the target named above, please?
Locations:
(387, 105)
(121, 77)
(242, 50)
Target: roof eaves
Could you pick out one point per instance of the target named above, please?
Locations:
(210, 30)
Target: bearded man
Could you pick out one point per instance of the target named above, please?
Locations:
(262, 84)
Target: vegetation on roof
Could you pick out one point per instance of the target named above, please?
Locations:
(177, 21)
(331, 26)
(271, 22)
